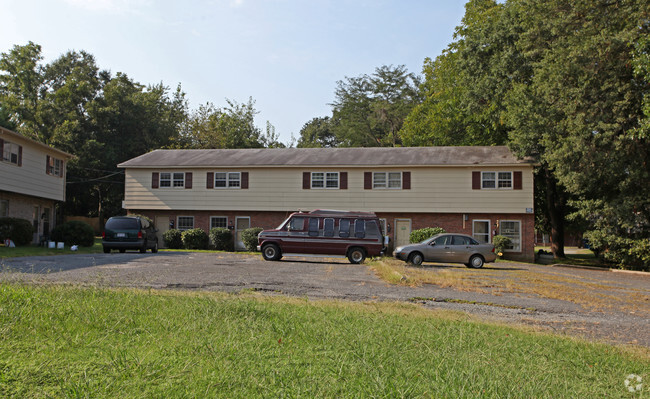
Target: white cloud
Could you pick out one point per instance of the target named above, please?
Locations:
(236, 3)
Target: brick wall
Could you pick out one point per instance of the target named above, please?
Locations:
(451, 222)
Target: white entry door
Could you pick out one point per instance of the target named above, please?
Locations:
(402, 232)
(162, 225)
(241, 223)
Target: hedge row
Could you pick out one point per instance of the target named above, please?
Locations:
(220, 239)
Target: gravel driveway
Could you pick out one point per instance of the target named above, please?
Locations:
(321, 278)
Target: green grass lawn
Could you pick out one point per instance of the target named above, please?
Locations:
(34, 250)
(91, 342)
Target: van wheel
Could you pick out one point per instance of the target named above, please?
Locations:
(155, 248)
(107, 250)
(122, 250)
(271, 252)
(415, 259)
(356, 255)
(476, 261)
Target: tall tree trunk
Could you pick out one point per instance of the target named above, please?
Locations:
(555, 209)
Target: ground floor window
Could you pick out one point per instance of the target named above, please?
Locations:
(185, 222)
(512, 230)
(481, 231)
(4, 208)
(218, 222)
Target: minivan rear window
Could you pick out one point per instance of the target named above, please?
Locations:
(123, 224)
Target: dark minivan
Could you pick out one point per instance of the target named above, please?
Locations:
(356, 235)
(129, 232)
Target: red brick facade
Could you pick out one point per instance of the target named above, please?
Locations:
(451, 222)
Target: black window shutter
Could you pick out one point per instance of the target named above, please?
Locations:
(367, 180)
(244, 180)
(406, 180)
(154, 179)
(306, 180)
(516, 177)
(476, 180)
(209, 180)
(343, 180)
(188, 179)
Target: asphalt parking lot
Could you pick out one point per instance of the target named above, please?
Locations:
(335, 278)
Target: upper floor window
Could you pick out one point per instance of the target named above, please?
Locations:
(324, 179)
(387, 180)
(227, 180)
(496, 180)
(12, 153)
(169, 179)
(54, 166)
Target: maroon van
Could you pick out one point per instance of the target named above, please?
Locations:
(356, 235)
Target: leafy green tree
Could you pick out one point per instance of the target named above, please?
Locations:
(581, 111)
(317, 133)
(232, 126)
(369, 110)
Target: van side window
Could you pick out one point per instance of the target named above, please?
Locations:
(328, 227)
(313, 227)
(297, 224)
(359, 228)
(372, 229)
(344, 228)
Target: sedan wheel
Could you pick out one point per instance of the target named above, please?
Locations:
(476, 261)
(416, 259)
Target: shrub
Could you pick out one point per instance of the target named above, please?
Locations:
(172, 239)
(222, 239)
(20, 231)
(74, 232)
(249, 237)
(423, 234)
(500, 243)
(627, 253)
(195, 239)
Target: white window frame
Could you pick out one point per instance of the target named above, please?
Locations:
(489, 229)
(228, 179)
(178, 223)
(55, 167)
(325, 180)
(178, 179)
(212, 218)
(166, 179)
(9, 151)
(500, 183)
(388, 180)
(517, 246)
(4, 208)
(171, 179)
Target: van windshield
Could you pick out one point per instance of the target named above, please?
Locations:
(283, 223)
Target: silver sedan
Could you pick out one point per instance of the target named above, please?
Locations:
(447, 248)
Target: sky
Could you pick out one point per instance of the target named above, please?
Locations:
(287, 55)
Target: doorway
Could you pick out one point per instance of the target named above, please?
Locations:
(241, 223)
(402, 232)
(162, 225)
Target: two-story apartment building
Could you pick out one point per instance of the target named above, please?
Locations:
(32, 180)
(481, 191)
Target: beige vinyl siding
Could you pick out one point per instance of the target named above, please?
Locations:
(433, 189)
(30, 178)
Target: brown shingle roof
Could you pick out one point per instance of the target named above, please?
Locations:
(376, 156)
